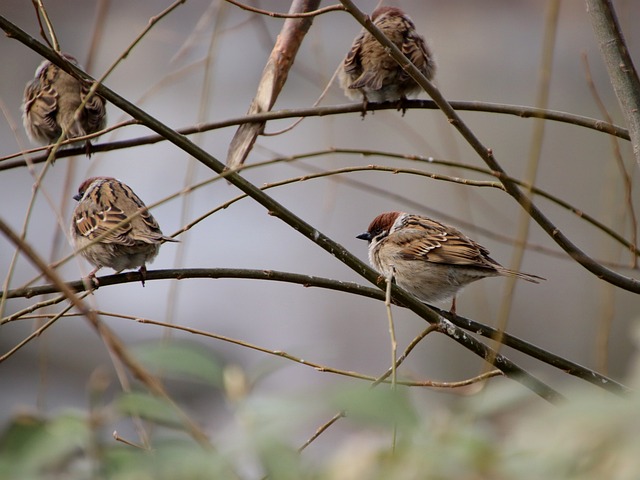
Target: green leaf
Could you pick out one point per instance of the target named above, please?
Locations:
(280, 461)
(148, 407)
(31, 446)
(377, 406)
(180, 360)
(168, 460)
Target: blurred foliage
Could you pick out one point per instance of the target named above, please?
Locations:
(499, 433)
(182, 360)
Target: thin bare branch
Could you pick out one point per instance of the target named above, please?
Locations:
(407, 351)
(41, 13)
(392, 329)
(516, 110)
(321, 430)
(395, 170)
(314, 13)
(488, 233)
(32, 308)
(129, 443)
(39, 331)
(307, 363)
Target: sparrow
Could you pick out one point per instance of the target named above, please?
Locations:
(106, 209)
(50, 103)
(428, 259)
(368, 71)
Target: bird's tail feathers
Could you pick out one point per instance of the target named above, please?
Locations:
(524, 276)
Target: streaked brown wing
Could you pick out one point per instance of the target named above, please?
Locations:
(96, 111)
(92, 226)
(434, 243)
(416, 50)
(351, 63)
(150, 222)
(145, 227)
(458, 250)
(42, 106)
(414, 244)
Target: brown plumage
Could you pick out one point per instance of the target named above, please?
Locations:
(104, 205)
(428, 259)
(51, 100)
(369, 73)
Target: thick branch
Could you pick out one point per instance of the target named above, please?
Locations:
(340, 286)
(622, 72)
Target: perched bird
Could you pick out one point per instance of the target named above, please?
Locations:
(369, 73)
(50, 105)
(104, 205)
(428, 259)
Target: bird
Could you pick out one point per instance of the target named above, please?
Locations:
(112, 227)
(370, 74)
(428, 259)
(50, 106)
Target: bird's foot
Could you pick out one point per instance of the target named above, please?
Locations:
(452, 310)
(143, 274)
(403, 104)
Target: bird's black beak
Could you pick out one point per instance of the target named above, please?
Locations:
(77, 197)
(365, 236)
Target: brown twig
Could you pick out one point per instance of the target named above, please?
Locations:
(486, 232)
(32, 308)
(504, 109)
(321, 430)
(40, 330)
(307, 363)
(405, 354)
(314, 13)
(41, 13)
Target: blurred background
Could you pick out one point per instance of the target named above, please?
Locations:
(487, 51)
